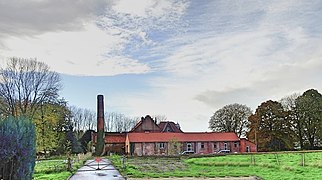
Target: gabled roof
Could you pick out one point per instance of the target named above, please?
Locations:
(182, 137)
(165, 125)
(146, 124)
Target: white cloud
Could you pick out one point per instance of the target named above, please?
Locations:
(207, 70)
(135, 20)
(85, 44)
(209, 54)
(85, 52)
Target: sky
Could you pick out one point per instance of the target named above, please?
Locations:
(183, 59)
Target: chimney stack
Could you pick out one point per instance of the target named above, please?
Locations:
(99, 149)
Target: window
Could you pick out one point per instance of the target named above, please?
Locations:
(162, 145)
(225, 145)
(168, 129)
(215, 145)
(236, 144)
(189, 147)
(202, 145)
(247, 149)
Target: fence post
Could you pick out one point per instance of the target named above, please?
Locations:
(252, 159)
(303, 159)
(123, 158)
(278, 162)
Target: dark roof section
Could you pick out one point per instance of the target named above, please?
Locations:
(147, 124)
(169, 126)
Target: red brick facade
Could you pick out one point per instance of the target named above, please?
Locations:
(247, 146)
(163, 143)
(166, 138)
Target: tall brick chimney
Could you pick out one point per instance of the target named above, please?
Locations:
(99, 149)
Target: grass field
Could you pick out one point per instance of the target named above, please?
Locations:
(55, 168)
(266, 166)
(51, 169)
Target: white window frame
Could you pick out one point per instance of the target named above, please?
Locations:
(162, 145)
(189, 146)
(247, 149)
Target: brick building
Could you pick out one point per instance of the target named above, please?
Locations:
(166, 138)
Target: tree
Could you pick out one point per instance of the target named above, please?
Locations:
(51, 123)
(269, 127)
(77, 121)
(158, 118)
(309, 109)
(173, 147)
(89, 119)
(292, 115)
(116, 122)
(231, 118)
(82, 120)
(25, 84)
(17, 148)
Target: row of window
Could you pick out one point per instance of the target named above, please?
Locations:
(202, 146)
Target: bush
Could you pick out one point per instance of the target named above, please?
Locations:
(17, 144)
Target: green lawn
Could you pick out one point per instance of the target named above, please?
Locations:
(266, 166)
(54, 169)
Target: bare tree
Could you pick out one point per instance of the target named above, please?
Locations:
(25, 84)
(77, 121)
(288, 102)
(89, 119)
(159, 118)
(116, 122)
(82, 120)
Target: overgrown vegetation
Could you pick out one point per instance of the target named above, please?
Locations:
(266, 166)
(17, 145)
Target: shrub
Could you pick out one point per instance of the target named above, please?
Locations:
(17, 144)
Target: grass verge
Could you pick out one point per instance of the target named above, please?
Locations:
(56, 168)
(266, 166)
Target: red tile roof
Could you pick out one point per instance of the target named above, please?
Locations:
(115, 137)
(182, 137)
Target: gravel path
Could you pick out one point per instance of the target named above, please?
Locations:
(93, 170)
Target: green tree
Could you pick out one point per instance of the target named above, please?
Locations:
(231, 118)
(269, 128)
(292, 115)
(309, 110)
(174, 147)
(50, 125)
